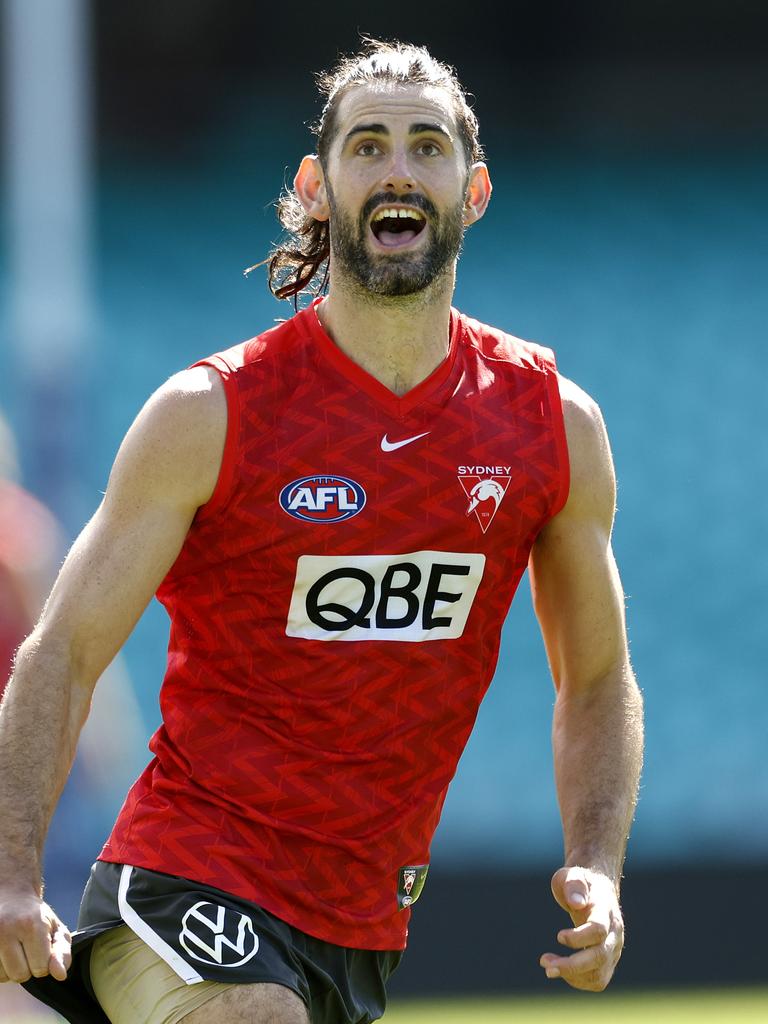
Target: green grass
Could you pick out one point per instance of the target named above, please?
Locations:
(718, 1006)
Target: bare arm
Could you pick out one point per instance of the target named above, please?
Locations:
(166, 468)
(597, 727)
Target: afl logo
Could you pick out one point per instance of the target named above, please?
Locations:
(322, 499)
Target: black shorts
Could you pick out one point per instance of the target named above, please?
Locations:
(205, 933)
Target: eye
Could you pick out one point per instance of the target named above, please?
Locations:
(429, 149)
(367, 149)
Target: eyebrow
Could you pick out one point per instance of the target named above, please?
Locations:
(415, 129)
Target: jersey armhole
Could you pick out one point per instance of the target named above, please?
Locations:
(226, 478)
(546, 359)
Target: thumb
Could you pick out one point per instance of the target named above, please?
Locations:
(570, 887)
(61, 950)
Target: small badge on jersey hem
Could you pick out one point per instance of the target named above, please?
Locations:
(410, 883)
(484, 487)
(322, 498)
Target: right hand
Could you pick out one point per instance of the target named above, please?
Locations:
(33, 941)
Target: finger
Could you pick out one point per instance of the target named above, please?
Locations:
(547, 961)
(593, 933)
(576, 889)
(37, 949)
(14, 963)
(61, 953)
(570, 967)
(570, 887)
(601, 955)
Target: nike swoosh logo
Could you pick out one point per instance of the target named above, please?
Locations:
(391, 446)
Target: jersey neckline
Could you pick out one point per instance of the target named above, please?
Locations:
(397, 405)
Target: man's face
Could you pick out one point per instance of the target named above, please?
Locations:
(396, 180)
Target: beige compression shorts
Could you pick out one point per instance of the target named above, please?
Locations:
(122, 965)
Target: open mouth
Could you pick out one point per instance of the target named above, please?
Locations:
(396, 227)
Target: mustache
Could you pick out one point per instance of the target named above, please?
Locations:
(393, 199)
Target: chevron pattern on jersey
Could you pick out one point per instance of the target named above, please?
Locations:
(305, 773)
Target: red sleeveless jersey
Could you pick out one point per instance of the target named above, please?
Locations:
(335, 620)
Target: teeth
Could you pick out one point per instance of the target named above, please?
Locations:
(412, 214)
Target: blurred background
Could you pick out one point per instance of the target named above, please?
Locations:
(144, 145)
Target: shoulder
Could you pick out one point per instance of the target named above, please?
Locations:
(495, 344)
(189, 407)
(593, 483)
(176, 442)
(584, 424)
(274, 341)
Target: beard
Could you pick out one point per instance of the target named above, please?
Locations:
(398, 274)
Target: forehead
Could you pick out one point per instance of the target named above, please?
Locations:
(392, 103)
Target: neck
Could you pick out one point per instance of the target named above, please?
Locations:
(399, 341)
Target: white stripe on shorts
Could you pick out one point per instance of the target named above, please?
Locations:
(176, 962)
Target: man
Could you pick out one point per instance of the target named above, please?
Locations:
(336, 515)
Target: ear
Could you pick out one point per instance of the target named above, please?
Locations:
(310, 188)
(479, 191)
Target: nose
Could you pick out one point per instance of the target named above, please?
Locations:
(399, 177)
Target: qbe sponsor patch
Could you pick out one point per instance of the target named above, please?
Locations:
(422, 595)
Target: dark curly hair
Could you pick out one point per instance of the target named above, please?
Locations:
(300, 260)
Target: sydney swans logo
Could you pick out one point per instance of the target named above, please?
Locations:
(485, 487)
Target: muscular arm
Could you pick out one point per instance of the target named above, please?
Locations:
(166, 468)
(597, 727)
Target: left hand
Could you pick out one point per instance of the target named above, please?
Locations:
(593, 903)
